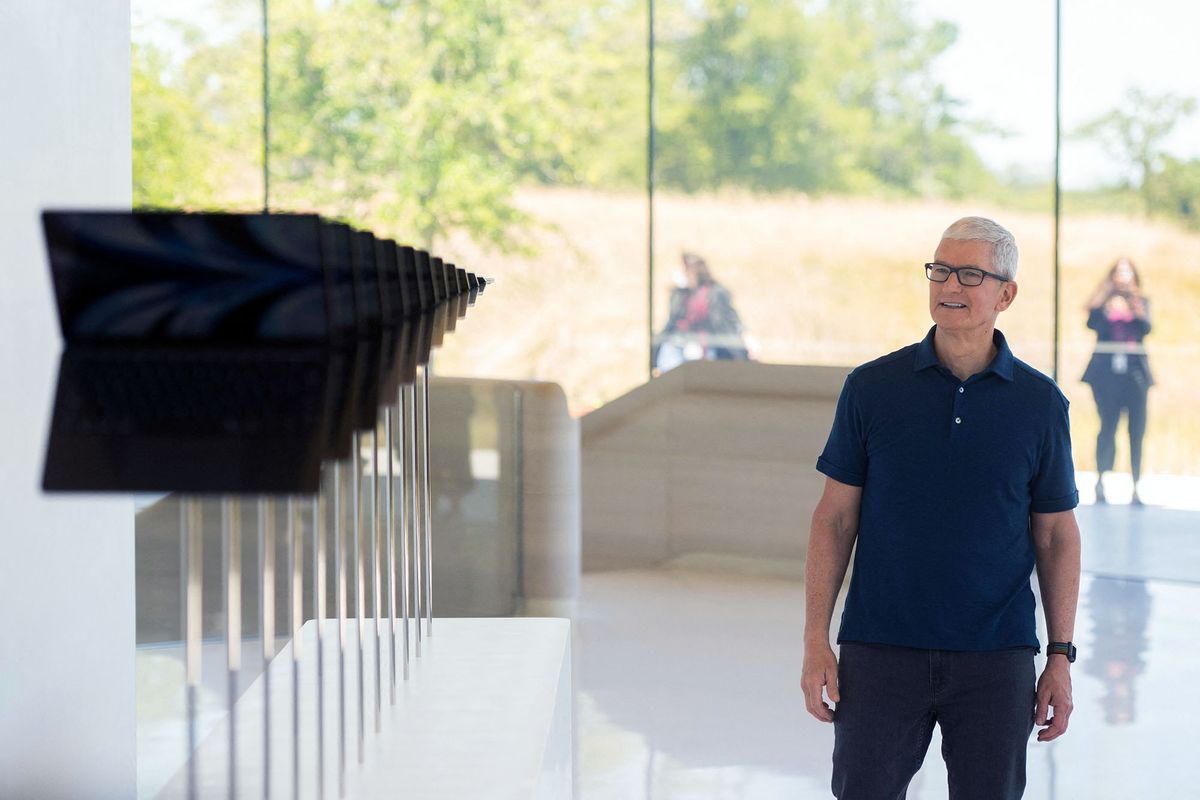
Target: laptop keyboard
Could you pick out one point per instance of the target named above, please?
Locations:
(192, 393)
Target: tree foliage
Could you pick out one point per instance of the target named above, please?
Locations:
(171, 154)
(814, 97)
(1175, 190)
(1135, 134)
(422, 117)
(418, 117)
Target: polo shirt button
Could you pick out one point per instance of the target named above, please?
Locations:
(958, 420)
(960, 390)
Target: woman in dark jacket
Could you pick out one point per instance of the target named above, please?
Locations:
(1119, 372)
(702, 322)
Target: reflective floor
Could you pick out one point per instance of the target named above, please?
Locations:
(688, 676)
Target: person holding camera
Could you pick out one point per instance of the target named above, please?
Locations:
(703, 323)
(1119, 372)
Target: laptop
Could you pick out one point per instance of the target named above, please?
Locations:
(197, 351)
(153, 276)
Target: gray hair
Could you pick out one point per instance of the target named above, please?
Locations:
(982, 229)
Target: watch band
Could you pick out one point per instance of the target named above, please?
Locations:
(1063, 649)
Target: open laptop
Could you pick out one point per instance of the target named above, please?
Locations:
(197, 352)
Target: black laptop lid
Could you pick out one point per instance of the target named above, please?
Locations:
(335, 257)
(425, 280)
(439, 278)
(411, 293)
(369, 305)
(187, 278)
(389, 276)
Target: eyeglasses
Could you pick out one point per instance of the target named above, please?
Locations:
(967, 276)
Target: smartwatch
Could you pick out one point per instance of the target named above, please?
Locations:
(1062, 649)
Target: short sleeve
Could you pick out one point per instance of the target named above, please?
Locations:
(1053, 487)
(845, 456)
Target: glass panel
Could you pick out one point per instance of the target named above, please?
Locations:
(496, 139)
(197, 103)
(475, 486)
(509, 141)
(196, 126)
(163, 716)
(812, 154)
(1131, 176)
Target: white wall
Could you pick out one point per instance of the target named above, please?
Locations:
(66, 565)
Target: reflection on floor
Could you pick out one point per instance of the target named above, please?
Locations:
(688, 678)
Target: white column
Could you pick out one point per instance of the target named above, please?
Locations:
(66, 564)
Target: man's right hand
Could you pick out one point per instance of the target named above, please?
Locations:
(820, 672)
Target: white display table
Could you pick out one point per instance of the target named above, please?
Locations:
(485, 713)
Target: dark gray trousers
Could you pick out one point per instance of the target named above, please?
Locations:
(893, 696)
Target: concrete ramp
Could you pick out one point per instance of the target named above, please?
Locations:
(714, 457)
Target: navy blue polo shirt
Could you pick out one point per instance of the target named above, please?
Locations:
(950, 472)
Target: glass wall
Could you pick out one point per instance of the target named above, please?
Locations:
(812, 154)
(809, 153)
(1131, 181)
(197, 104)
(508, 139)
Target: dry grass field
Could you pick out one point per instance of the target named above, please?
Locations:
(818, 281)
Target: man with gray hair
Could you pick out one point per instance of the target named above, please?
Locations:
(949, 466)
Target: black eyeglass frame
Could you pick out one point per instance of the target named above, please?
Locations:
(957, 271)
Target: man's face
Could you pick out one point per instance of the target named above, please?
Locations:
(955, 307)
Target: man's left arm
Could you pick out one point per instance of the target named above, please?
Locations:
(1057, 546)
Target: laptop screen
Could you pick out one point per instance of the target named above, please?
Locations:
(180, 277)
(335, 243)
(366, 270)
(389, 274)
(406, 258)
(424, 276)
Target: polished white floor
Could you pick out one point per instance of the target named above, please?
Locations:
(687, 677)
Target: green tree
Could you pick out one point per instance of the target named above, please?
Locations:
(1135, 133)
(171, 159)
(836, 96)
(413, 118)
(422, 117)
(1176, 190)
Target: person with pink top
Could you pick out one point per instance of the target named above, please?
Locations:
(1119, 371)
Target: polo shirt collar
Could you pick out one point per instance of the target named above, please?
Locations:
(1002, 364)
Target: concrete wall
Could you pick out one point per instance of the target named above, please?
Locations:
(550, 502)
(66, 565)
(713, 457)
